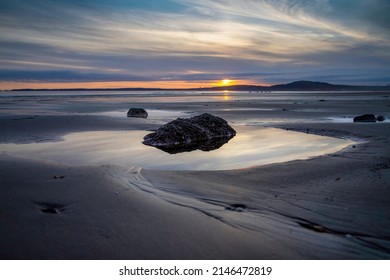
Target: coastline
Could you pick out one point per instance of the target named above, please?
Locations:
(329, 207)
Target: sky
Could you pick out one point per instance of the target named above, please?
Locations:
(192, 43)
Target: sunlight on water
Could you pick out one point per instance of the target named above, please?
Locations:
(251, 147)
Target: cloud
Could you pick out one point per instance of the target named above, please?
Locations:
(279, 26)
(164, 39)
(64, 76)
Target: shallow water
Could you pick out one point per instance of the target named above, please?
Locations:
(252, 108)
(248, 111)
(252, 146)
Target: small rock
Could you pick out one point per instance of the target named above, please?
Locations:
(365, 118)
(137, 113)
(380, 118)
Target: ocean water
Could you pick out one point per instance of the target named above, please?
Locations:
(248, 112)
(106, 102)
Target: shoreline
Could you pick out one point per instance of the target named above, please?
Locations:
(292, 86)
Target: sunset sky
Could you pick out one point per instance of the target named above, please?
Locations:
(192, 43)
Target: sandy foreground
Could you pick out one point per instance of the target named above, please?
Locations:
(335, 206)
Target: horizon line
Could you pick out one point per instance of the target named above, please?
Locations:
(297, 84)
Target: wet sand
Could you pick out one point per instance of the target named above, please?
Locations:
(335, 206)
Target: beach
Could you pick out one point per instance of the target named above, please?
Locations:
(59, 203)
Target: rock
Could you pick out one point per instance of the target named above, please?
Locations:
(365, 118)
(204, 132)
(380, 118)
(137, 113)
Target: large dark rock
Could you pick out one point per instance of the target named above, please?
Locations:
(137, 113)
(365, 118)
(204, 132)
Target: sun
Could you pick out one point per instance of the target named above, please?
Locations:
(226, 82)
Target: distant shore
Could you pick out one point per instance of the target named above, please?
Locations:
(294, 86)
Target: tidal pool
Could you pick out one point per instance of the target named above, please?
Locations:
(251, 146)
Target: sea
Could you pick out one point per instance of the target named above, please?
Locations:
(258, 117)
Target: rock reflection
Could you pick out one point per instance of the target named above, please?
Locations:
(205, 146)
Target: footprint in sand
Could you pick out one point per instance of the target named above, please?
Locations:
(51, 208)
(237, 207)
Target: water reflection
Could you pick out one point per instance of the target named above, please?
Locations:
(252, 146)
(226, 95)
(205, 146)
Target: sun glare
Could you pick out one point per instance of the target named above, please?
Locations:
(226, 82)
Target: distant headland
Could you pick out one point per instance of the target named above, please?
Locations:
(294, 86)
